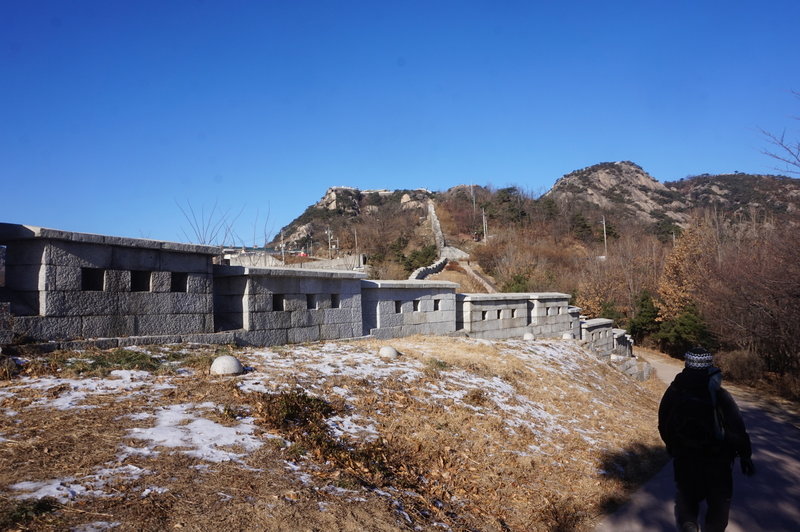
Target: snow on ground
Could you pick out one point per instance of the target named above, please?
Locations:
(178, 427)
(75, 391)
(183, 427)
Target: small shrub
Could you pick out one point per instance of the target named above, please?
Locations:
(100, 364)
(15, 514)
(741, 366)
(475, 397)
(295, 408)
(563, 514)
(433, 366)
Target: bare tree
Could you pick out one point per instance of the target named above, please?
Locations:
(212, 227)
(785, 150)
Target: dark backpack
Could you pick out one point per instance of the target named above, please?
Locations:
(696, 422)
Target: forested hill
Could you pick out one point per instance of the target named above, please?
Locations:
(622, 192)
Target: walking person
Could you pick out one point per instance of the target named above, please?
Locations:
(703, 430)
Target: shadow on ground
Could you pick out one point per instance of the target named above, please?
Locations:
(632, 466)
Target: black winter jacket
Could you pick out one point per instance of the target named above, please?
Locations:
(736, 442)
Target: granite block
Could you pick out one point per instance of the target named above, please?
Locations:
(160, 281)
(150, 324)
(298, 335)
(125, 258)
(270, 320)
(47, 328)
(117, 281)
(80, 304)
(307, 318)
(138, 303)
(107, 326)
(261, 338)
(199, 283)
(63, 253)
(185, 303)
(184, 262)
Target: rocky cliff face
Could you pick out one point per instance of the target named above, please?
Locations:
(340, 204)
(626, 189)
(623, 187)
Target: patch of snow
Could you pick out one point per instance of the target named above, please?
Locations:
(176, 427)
(76, 390)
(341, 425)
(96, 526)
(61, 489)
(127, 451)
(154, 489)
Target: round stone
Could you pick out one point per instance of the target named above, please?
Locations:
(226, 365)
(388, 351)
(529, 336)
(568, 336)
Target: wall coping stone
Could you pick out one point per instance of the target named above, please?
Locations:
(407, 283)
(597, 322)
(238, 271)
(9, 232)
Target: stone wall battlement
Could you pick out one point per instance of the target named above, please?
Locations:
(69, 287)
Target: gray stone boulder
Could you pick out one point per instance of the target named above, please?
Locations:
(226, 365)
(388, 352)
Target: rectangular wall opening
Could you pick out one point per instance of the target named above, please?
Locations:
(335, 302)
(178, 282)
(436, 304)
(398, 307)
(499, 313)
(92, 279)
(278, 302)
(311, 302)
(484, 315)
(140, 281)
(416, 305)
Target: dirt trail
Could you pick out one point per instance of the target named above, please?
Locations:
(766, 502)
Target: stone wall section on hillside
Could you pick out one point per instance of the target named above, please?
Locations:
(280, 306)
(64, 285)
(508, 315)
(599, 334)
(402, 308)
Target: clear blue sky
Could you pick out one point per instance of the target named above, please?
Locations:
(113, 111)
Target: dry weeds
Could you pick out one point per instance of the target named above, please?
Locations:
(456, 433)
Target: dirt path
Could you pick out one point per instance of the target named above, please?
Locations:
(769, 501)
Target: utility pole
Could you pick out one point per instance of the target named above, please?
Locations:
(330, 250)
(283, 249)
(605, 240)
(485, 226)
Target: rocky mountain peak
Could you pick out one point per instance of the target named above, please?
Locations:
(621, 186)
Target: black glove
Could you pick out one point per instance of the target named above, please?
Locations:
(747, 466)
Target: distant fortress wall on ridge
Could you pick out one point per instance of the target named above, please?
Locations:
(73, 289)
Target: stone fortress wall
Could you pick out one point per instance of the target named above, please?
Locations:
(67, 288)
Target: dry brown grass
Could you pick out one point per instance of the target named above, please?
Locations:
(471, 434)
(467, 284)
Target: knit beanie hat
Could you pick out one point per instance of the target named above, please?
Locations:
(698, 358)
